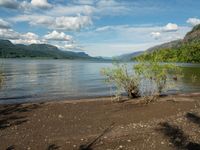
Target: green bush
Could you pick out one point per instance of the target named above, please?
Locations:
(160, 74)
(150, 74)
(1, 79)
(123, 80)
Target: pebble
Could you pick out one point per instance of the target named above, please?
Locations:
(129, 141)
(60, 116)
(120, 146)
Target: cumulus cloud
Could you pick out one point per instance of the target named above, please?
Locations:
(12, 4)
(41, 3)
(19, 38)
(193, 21)
(140, 33)
(155, 35)
(26, 41)
(171, 27)
(58, 36)
(71, 23)
(30, 35)
(4, 24)
(8, 34)
(27, 38)
(56, 23)
(25, 5)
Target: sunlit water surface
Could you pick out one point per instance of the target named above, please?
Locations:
(46, 80)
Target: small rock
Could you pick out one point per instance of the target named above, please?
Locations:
(129, 141)
(120, 146)
(60, 116)
(162, 142)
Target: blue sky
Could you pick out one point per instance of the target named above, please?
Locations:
(98, 27)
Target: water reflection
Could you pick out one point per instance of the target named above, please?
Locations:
(33, 80)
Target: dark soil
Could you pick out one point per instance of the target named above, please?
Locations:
(100, 124)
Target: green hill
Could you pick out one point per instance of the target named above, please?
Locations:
(10, 50)
(185, 50)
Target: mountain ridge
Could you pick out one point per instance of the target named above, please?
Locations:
(10, 50)
(185, 50)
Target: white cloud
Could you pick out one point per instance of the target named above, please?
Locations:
(34, 19)
(56, 23)
(71, 23)
(26, 41)
(30, 35)
(71, 10)
(193, 21)
(4, 24)
(41, 3)
(12, 4)
(25, 5)
(8, 34)
(155, 35)
(69, 46)
(58, 36)
(116, 40)
(171, 27)
(19, 38)
(27, 38)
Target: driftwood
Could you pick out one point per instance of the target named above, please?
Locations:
(89, 145)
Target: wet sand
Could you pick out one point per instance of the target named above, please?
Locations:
(173, 122)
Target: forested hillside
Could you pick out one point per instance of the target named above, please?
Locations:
(186, 50)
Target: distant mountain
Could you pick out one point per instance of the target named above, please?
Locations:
(185, 50)
(10, 50)
(128, 57)
(171, 44)
(193, 36)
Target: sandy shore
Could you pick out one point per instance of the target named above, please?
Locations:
(171, 123)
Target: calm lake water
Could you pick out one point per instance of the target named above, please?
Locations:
(42, 80)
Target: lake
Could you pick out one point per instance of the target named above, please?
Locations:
(47, 80)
